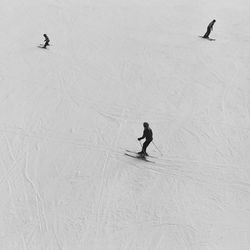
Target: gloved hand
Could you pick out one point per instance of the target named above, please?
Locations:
(138, 139)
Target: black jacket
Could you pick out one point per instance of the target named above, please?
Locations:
(46, 39)
(210, 25)
(148, 134)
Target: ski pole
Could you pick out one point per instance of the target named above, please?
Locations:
(157, 148)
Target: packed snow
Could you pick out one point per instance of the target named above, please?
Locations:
(68, 114)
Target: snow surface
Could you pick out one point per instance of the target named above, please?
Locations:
(67, 115)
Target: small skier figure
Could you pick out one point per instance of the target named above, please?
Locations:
(46, 41)
(209, 29)
(148, 134)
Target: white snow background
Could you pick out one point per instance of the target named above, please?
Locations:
(68, 113)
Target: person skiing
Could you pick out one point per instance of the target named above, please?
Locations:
(46, 41)
(148, 134)
(209, 29)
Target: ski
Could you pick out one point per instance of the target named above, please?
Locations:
(41, 47)
(207, 38)
(139, 157)
(130, 151)
(47, 45)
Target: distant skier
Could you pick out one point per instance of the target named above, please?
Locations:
(209, 29)
(46, 41)
(148, 134)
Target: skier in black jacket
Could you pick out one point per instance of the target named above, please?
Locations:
(46, 41)
(148, 134)
(209, 29)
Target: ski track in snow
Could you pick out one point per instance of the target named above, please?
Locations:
(68, 114)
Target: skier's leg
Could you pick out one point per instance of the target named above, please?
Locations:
(207, 33)
(144, 147)
(45, 45)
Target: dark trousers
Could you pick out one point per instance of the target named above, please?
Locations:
(207, 33)
(46, 44)
(145, 145)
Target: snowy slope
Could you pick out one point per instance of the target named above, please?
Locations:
(67, 115)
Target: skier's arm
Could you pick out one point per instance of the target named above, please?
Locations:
(143, 136)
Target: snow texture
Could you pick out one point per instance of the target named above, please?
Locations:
(68, 114)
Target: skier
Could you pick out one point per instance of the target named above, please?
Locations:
(46, 41)
(209, 29)
(148, 134)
